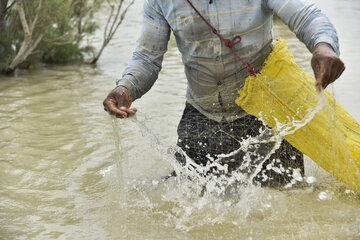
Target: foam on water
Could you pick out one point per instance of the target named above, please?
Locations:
(194, 199)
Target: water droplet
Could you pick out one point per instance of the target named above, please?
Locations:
(323, 196)
(310, 179)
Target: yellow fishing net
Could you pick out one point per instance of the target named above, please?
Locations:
(285, 98)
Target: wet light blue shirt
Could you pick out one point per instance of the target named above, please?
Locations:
(213, 72)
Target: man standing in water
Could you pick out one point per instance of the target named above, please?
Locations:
(212, 123)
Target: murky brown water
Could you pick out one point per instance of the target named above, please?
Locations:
(69, 171)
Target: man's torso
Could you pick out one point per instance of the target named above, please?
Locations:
(214, 73)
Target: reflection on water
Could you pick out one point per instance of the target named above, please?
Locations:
(69, 171)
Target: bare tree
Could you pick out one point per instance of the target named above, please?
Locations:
(31, 40)
(114, 20)
(36, 21)
(29, 27)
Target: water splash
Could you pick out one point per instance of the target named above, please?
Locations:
(195, 199)
(269, 140)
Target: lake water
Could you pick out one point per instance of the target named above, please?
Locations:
(70, 171)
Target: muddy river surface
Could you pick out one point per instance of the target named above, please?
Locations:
(70, 171)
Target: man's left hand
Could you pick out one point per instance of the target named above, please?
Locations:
(326, 64)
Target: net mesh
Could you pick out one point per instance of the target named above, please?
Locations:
(244, 146)
(284, 97)
(285, 118)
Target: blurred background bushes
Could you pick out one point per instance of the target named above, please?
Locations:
(49, 31)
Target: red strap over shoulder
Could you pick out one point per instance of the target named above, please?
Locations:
(228, 43)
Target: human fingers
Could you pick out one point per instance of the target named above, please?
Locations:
(327, 70)
(326, 64)
(320, 83)
(110, 106)
(322, 77)
(340, 69)
(129, 111)
(333, 70)
(118, 103)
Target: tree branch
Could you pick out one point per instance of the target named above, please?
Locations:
(20, 7)
(10, 6)
(33, 46)
(33, 24)
(62, 43)
(61, 37)
(116, 16)
(109, 18)
(116, 22)
(122, 18)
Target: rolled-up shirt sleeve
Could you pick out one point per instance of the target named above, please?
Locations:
(145, 65)
(309, 24)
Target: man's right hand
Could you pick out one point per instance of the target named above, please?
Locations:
(118, 103)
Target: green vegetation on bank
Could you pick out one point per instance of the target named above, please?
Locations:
(52, 31)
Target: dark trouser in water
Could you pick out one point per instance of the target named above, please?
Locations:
(203, 140)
